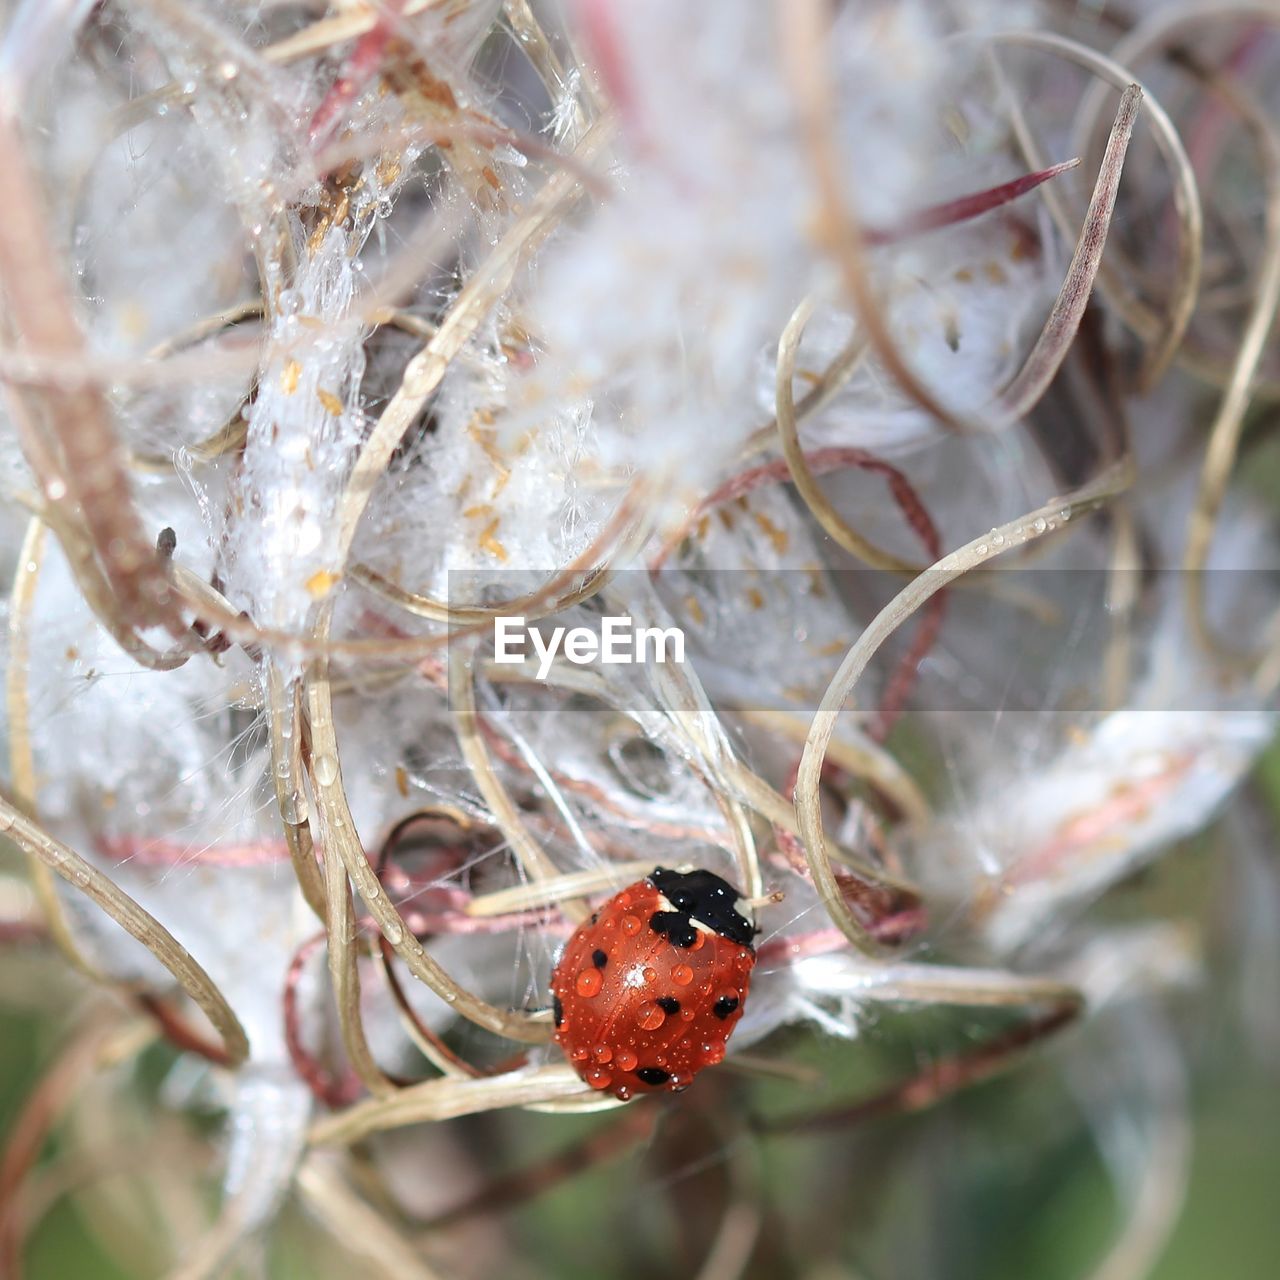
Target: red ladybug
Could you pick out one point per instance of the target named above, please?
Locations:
(649, 990)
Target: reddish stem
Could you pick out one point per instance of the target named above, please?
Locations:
(157, 851)
(360, 68)
(632, 1125)
(927, 1087)
(331, 1090)
(179, 1032)
(963, 209)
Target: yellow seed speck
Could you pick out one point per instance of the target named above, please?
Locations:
(321, 583)
(779, 537)
(489, 543)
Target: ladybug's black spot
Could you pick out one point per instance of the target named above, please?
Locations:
(557, 1010)
(708, 899)
(653, 1075)
(668, 1004)
(725, 1006)
(599, 959)
(676, 925)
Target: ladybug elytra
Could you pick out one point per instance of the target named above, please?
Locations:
(648, 991)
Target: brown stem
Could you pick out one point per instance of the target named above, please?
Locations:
(92, 464)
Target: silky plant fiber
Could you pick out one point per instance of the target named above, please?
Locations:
(912, 360)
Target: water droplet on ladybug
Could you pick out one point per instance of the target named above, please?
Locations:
(588, 982)
(599, 1078)
(631, 925)
(650, 975)
(602, 1053)
(682, 975)
(625, 1060)
(651, 1018)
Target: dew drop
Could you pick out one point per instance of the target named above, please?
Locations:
(982, 548)
(625, 1060)
(651, 1018)
(293, 808)
(650, 975)
(1039, 525)
(997, 539)
(325, 768)
(682, 975)
(588, 982)
(631, 925)
(579, 1055)
(599, 1078)
(602, 1053)
(393, 933)
(1065, 514)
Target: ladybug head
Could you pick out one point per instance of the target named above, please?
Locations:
(706, 898)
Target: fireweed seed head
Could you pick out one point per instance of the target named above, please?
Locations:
(335, 336)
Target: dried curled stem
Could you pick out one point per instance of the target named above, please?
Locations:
(435, 1100)
(961, 561)
(1167, 337)
(802, 31)
(335, 832)
(529, 853)
(805, 481)
(141, 924)
(284, 719)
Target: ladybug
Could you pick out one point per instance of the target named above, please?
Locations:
(647, 992)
